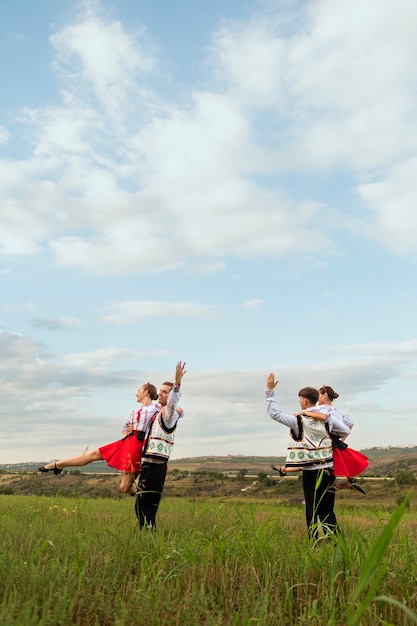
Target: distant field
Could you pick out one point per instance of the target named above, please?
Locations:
(384, 493)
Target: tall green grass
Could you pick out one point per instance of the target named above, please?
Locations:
(69, 561)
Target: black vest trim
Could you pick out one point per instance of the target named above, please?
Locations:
(298, 436)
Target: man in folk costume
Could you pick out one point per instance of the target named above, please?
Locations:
(311, 449)
(157, 450)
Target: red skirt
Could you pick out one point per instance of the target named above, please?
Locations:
(124, 454)
(349, 462)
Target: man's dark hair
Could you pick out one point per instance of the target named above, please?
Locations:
(168, 384)
(310, 393)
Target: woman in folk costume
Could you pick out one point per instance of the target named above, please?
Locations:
(124, 454)
(347, 462)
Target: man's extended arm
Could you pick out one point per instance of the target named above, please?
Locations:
(272, 408)
(171, 415)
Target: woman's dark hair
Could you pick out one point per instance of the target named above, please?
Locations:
(151, 389)
(331, 393)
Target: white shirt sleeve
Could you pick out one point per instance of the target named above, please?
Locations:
(276, 414)
(337, 427)
(171, 416)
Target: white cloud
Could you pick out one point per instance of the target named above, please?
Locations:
(400, 350)
(99, 55)
(208, 267)
(37, 385)
(59, 323)
(65, 402)
(340, 80)
(249, 61)
(188, 171)
(335, 85)
(130, 312)
(28, 306)
(255, 303)
(34, 207)
(393, 201)
(242, 412)
(17, 348)
(99, 360)
(4, 135)
(120, 181)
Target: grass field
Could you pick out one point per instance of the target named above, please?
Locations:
(213, 561)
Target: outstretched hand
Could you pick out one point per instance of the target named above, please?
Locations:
(179, 373)
(271, 383)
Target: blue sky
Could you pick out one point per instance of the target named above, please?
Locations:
(227, 183)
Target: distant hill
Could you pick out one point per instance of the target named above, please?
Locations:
(98, 467)
(382, 462)
(391, 461)
(220, 476)
(390, 451)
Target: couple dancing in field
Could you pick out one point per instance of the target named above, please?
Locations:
(315, 449)
(144, 449)
(346, 461)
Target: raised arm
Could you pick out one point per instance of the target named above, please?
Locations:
(272, 408)
(180, 372)
(171, 415)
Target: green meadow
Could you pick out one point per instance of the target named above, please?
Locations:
(212, 561)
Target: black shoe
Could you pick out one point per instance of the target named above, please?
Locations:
(55, 470)
(355, 485)
(279, 470)
(358, 488)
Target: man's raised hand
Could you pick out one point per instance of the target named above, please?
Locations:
(179, 373)
(271, 383)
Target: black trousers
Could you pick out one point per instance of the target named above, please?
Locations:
(151, 484)
(319, 500)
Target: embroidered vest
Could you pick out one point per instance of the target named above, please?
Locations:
(312, 444)
(160, 440)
